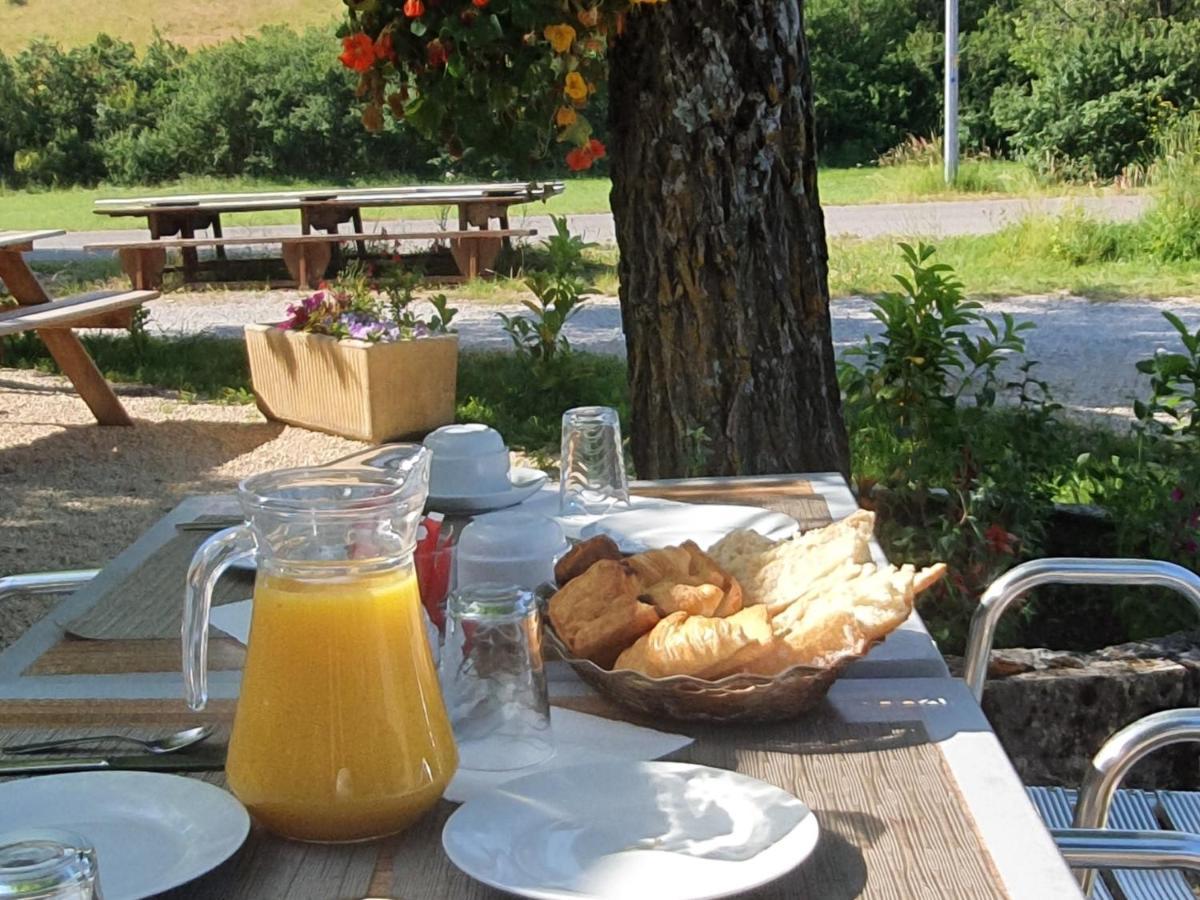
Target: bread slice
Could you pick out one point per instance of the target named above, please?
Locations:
(777, 574)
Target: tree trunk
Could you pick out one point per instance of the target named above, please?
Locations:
(723, 259)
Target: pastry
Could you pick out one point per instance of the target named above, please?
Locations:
(600, 613)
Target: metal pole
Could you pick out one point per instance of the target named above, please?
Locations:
(950, 137)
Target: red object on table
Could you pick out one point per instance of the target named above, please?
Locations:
(433, 559)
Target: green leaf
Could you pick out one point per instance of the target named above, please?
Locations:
(417, 27)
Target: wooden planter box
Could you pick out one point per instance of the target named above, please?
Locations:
(369, 392)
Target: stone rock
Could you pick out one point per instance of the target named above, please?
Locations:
(1053, 710)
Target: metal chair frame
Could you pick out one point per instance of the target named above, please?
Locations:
(1088, 845)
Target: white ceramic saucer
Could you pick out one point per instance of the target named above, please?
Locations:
(523, 483)
(670, 831)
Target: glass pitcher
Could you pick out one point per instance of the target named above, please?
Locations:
(340, 732)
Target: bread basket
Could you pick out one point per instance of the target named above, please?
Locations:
(735, 698)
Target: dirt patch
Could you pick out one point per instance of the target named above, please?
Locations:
(76, 494)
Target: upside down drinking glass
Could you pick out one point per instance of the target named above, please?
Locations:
(493, 678)
(593, 479)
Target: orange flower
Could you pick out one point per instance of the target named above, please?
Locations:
(414, 9)
(579, 159)
(561, 37)
(596, 149)
(576, 88)
(590, 17)
(565, 117)
(383, 47)
(358, 52)
(480, 4)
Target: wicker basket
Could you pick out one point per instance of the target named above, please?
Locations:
(735, 698)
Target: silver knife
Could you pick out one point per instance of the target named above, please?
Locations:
(149, 762)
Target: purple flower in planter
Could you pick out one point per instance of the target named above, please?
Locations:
(1190, 547)
(1177, 494)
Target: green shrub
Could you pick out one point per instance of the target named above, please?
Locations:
(1094, 82)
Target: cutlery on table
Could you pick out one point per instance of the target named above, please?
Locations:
(171, 743)
(212, 524)
(182, 762)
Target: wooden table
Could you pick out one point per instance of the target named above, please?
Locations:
(913, 792)
(72, 359)
(323, 209)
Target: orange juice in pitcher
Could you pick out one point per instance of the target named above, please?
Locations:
(340, 732)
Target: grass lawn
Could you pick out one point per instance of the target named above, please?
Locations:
(75, 22)
(71, 208)
(1018, 260)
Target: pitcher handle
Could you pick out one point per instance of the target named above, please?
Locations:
(215, 555)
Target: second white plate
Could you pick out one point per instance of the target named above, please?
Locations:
(151, 831)
(646, 529)
(671, 831)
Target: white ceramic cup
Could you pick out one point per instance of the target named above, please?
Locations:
(468, 460)
(511, 547)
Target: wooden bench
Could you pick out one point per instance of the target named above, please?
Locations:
(307, 256)
(94, 310)
(53, 319)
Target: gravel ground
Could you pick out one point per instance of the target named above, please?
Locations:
(75, 495)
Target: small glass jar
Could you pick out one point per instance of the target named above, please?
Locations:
(493, 680)
(47, 864)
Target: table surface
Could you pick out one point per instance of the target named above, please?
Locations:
(531, 188)
(899, 683)
(356, 198)
(14, 238)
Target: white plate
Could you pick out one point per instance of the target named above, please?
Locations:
(523, 483)
(151, 831)
(670, 831)
(644, 529)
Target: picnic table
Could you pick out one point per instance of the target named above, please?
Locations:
(54, 319)
(912, 791)
(325, 210)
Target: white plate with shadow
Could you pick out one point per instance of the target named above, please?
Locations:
(152, 831)
(523, 484)
(671, 831)
(636, 530)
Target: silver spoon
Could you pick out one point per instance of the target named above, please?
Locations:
(169, 744)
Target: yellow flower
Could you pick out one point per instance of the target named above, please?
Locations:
(561, 37)
(576, 88)
(565, 117)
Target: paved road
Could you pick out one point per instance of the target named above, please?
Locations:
(933, 219)
(1087, 350)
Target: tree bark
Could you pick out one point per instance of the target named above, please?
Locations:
(723, 263)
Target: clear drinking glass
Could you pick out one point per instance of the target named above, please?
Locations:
(47, 864)
(340, 733)
(593, 480)
(493, 679)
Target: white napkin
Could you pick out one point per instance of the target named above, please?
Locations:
(579, 739)
(233, 619)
